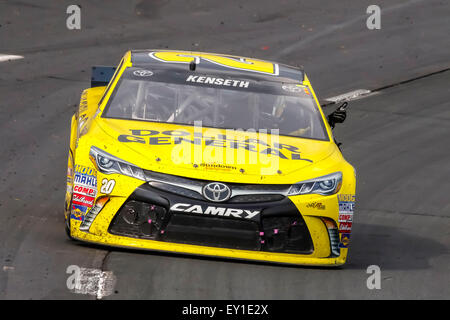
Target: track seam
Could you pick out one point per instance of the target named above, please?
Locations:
(105, 258)
(405, 213)
(392, 85)
(103, 268)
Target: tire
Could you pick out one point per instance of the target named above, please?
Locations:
(67, 224)
(67, 229)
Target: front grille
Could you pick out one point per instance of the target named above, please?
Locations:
(212, 232)
(192, 188)
(286, 234)
(139, 220)
(146, 221)
(277, 228)
(176, 190)
(253, 198)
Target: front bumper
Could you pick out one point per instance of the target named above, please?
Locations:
(187, 235)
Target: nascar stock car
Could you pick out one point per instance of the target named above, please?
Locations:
(208, 154)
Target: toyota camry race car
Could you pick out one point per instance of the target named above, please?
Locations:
(208, 154)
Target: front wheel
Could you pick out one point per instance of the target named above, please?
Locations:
(67, 220)
(69, 195)
(67, 229)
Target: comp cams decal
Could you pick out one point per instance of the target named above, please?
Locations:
(214, 211)
(175, 137)
(88, 191)
(346, 207)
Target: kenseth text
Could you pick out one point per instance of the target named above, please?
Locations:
(218, 81)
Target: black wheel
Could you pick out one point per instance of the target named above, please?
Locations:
(67, 228)
(67, 223)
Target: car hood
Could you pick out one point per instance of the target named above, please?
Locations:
(212, 153)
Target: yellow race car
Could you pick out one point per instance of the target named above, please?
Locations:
(208, 154)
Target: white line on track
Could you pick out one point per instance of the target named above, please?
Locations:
(352, 95)
(9, 57)
(95, 282)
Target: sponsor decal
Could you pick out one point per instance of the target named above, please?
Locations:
(345, 227)
(316, 205)
(83, 200)
(292, 87)
(83, 102)
(85, 180)
(85, 176)
(143, 73)
(85, 170)
(346, 197)
(218, 81)
(345, 240)
(214, 211)
(345, 217)
(346, 206)
(217, 166)
(88, 191)
(69, 171)
(78, 212)
(247, 64)
(176, 137)
(107, 186)
(216, 191)
(346, 209)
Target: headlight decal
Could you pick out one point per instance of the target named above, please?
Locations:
(107, 164)
(325, 185)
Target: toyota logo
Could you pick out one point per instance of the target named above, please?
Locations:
(217, 192)
(143, 73)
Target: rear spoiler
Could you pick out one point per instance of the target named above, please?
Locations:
(101, 75)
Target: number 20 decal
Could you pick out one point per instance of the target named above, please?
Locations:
(107, 186)
(247, 64)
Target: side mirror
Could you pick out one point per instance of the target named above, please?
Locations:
(338, 115)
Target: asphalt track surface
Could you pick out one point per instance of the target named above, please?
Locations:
(398, 140)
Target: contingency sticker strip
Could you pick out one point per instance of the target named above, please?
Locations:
(346, 208)
(84, 191)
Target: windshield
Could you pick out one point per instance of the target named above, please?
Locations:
(217, 101)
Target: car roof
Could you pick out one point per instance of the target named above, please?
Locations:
(218, 63)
